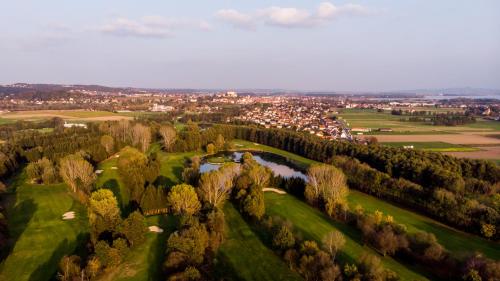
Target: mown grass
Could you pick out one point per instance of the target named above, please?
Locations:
(454, 240)
(436, 146)
(314, 225)
(39, 236)
(244, 255)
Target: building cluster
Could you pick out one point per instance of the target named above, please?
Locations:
(313, 117)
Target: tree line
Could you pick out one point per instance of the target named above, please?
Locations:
(432, 174)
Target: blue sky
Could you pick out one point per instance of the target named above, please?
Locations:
(301, 45)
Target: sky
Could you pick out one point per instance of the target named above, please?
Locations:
(253, 44)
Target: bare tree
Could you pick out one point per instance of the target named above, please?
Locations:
(215, 186)
(108, 143)
(333, 242)
(77, 173)
(327, 182)
(168, 133)
(141, 136)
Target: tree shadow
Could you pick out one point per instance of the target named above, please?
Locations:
(19, 216)
(164, 181)
(114, 186)
(177, 170)
(49, 268)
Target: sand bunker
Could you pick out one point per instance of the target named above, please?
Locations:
(114, 168)
(68, 215)
(155, 229)
(275, 190)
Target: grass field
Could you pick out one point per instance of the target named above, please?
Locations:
(454, 240)
(40, 236)
(435, 146)
(313, 224)
(245, 256)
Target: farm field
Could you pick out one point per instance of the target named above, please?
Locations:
(245, 256)
(486, 152)
(80, 115)
(313, 224)
(370, 118)
(433, 146)
(40, 236)
(464, 138)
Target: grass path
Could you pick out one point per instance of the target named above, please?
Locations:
(454, 240)
(313, 224)
(41, 237)
(245, 254)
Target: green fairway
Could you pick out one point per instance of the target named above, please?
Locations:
(313, 224)
(294, 158)
(244, 255)
(40, 235)
(436, 146)
(452, 239)
(144, 262)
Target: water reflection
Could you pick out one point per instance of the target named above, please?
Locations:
(278, 164)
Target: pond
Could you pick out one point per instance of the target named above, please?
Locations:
(278, 164)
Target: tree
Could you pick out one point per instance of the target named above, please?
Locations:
(104, 214)
(219, 142)
(134, 228)
(42, 171)
(325, 182)
(253, 204)
(183, 200)
(210, 148)
(192, 242)
(69, 268)
(141, 136)
(132, 167)
(371, 267)
(283, 239)
(108, 143)
(333, 242)
(169, 134)
(93, 267)
(77, 173)
(215, 186)
(488, 230)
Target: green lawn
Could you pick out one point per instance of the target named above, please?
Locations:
(40, 235)
(436, 146)
(313, 224)
(451, 239)
(245, 257)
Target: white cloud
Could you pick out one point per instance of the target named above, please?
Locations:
(236, 18)
(291, 17)
(151, 26)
